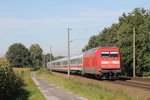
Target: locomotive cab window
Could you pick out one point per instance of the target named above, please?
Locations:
(114, 54)
(104, 54)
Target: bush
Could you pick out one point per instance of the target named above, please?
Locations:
(9, 82)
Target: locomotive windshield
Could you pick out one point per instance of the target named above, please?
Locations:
(113, 54)
(109, 54)
(104, 54)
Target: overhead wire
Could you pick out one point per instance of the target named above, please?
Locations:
(79, 44)
(80, 34)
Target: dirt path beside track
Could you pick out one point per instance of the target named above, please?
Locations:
(52, 92)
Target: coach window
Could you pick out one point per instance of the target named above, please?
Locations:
(70, 61)
(78, 61)
(53, 63)
(81, 60)
(65, 63)
(58, 63)
(114, 54)
(74, 61)
(104, 54)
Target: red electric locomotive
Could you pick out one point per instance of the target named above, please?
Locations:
(101, 61)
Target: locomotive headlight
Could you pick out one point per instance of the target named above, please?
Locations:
(115, 62)
(104, 62)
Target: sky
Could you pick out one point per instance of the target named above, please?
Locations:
(45, 22)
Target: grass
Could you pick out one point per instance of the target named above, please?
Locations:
(85, 87)
(29, 91)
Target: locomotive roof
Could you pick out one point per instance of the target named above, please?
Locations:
(94, 49)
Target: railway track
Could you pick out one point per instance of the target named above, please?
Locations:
(131, 82)
(141, 85)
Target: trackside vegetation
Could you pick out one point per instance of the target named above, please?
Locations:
(121, 34)
(88, 89)
(16, 83)
(9, 82)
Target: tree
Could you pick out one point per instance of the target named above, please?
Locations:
(4, 62)
(46, 58)
(36, 55)
(18, 55)
(58, 57)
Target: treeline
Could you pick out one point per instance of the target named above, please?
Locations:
(20, 56)
(121, 34)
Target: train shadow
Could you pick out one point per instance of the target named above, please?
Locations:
(90, 76)
(121, 78)
(124, 78)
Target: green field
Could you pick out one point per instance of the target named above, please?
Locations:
(29, 91)
(83, 87)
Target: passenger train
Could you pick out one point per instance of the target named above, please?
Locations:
(103, 61)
